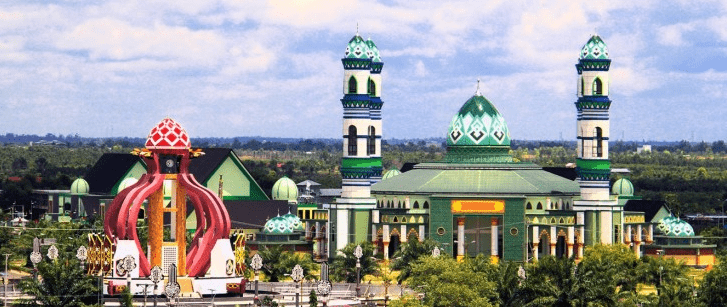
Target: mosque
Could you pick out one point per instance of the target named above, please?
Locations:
(478, 199)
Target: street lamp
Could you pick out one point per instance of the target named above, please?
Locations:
(35, 258)
(436, 252)
(156, 276)
(53, 253)
(358, 253)
(256, 264)
(324, 288)
(82, 254)
(7, 278)
(297, 276)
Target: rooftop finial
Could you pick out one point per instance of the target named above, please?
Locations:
(477, 93)
(356, 28)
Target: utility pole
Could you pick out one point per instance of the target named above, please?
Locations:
(7, 278)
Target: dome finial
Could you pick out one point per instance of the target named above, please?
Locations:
(357, 28)
(477, 93)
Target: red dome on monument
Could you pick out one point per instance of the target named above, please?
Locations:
(168, 134)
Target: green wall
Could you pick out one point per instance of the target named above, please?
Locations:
(362, 218)
(513, 247)
(440, 215)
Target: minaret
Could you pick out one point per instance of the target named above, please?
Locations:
(361, 163)
(601, 214)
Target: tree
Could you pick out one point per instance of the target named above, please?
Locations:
(406, 301)
(713, 289)
(278, 263)
(446, 282)
(409, 253)
(53, 289)
(343, 266)
(313, 299)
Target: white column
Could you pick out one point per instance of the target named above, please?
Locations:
(627, 236)
(341, 229)
(650, 236)
(536, 241)
(606, 223)
(404, 234)
(494, 244)
(421, 233)
(553, 239)
(374, 238)
(386, 241)
(570, 241)
(460, 237)
(637, 242)
(581, 242)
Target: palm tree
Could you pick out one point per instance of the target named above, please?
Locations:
(62, 284)
(343, 267)
(409, 253)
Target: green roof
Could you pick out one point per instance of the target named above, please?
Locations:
(501, 179)
(285, 189)
(357, 48)
(373, 51)
(594, 49)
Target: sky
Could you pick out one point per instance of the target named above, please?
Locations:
(225, 68)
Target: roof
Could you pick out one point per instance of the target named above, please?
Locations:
(649, 207)
(254, 213)
(501, 179)
(478, 123)
(357, 48)
(330, 192)
(107, 171)
(203, 167)
(595, 48)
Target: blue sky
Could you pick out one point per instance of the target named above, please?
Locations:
(272, 68)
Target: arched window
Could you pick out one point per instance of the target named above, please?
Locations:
(371, 141)
(529, 206)
(426, 205)
(540, 206)
(352, 86)
(372, 88)
(597, 87)
(583, 144)
(416, 205)
(598, 142)
(352, 139)
(583, 87)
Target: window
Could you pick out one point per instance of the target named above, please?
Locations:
(372, 88)
(583, 145)
(426, 205)
(352, 86)
(598, 142)
(529, 206)
(583, 87)
(597, 87)
(416, 205)
(540, 206)
(352, 139)
(371, 141)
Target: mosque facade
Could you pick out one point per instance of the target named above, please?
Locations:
(478, 199)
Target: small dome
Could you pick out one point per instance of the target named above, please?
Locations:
(623, 187)
(391, 173)
(295, 222)
(675, 227)
(595, 48)
(373, 52)
(127, 183)
(168, 134)
(285, 189)
(478, 123)
(357, 48)
(279, 225)
(79, 187)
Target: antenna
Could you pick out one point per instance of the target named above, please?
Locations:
(477, 93)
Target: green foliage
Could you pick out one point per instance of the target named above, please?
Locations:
(126, 299)
(409, 253)
(53, 288)
(449, 283)
(268, 301)
(278, 262)
(613, 265)
(713, 289)
(406, 301)
(343, 266)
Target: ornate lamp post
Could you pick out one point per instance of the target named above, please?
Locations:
(256, 264)
(358, 253)
(127, 265)
(324, 288)
(53, 253)
(297, 276)
(7, 279)
(156, 276)
(82, 255)
(172, 288)
(436, 252)
(35, 258)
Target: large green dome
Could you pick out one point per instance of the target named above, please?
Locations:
(285, 189)
(79, 187)
(357, 48)
(623, 187)
(478, 123)
(595, 48)
(675, 227)
(391, 173)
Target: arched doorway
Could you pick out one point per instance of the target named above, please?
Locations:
(394, 244)
(561, 248)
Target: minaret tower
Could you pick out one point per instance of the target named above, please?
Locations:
(593, 166)
(361, 163)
